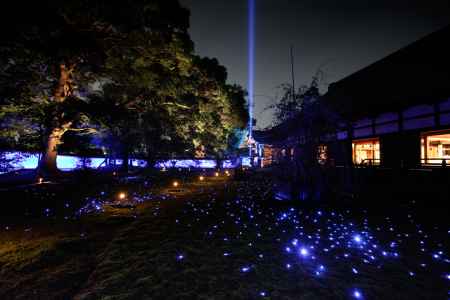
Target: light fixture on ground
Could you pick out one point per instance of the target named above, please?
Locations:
(175, 183)
(122, 196)
(201, 178)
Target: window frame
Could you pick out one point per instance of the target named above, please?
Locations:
(424, 148)
(374, 161)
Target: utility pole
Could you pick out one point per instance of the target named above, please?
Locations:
(292, 73)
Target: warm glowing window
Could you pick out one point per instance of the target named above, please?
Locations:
(322, 154)
(435, 148)
(268, 155)
(366, 152)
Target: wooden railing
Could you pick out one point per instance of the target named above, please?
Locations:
(369, 162)
(438, 161)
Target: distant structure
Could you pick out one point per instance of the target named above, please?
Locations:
(395, 112)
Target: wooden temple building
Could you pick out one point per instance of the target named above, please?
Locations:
(393, 128)
(396, 112)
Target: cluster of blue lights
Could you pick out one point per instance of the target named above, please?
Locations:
(317, 246)
(323, 244)
(98, 203)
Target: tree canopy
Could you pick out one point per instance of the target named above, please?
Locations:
(124, 72)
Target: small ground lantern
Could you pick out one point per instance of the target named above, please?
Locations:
(217, 174)
(201, 178)
(175, 184)
(122, 196)
(40, 180)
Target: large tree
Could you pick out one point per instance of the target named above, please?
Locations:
(147, 70)
(221, 112)
(55, 54)
(312, 124)
(125, 70)
(187, 110)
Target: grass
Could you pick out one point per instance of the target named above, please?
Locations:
(134, 253)
(52, 259)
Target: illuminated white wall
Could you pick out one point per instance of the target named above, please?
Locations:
(23, 160)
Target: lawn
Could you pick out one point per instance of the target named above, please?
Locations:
(225, 239)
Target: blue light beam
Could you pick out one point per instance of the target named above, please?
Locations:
(251, 62)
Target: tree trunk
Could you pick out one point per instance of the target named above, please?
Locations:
(151, 161)
(125, 163)
(65, 87)
(219, 163)
(47, 165)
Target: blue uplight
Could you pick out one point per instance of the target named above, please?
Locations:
(357, 238)
(251, 61)
(245, 269)
(304, 252)
(357, 294)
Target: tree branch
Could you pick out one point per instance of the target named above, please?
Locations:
(177, 104)
(84, 130)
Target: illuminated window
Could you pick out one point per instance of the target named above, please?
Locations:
(268, 155)
(322, 154)
(366, 152)
(435, 148)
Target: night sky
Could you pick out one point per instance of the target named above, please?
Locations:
(340, 37)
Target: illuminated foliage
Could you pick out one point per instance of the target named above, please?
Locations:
(124, 70)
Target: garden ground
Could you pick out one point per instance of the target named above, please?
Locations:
(221, 239)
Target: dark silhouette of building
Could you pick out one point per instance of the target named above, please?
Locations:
(392, 137)
(395, 112)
